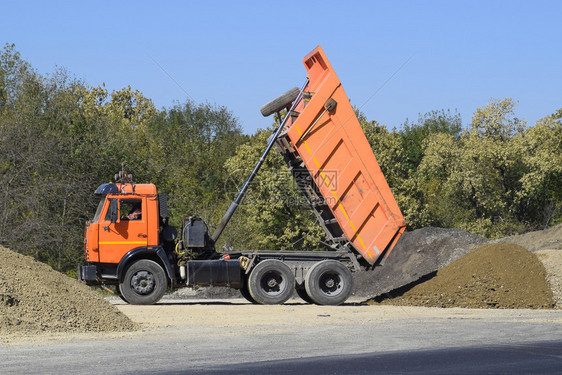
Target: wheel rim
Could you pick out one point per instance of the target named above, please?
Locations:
(142, 282)
(273, 283)
(331, 284)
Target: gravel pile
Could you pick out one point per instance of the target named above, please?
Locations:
(500, 275)
(35, 298)
(547, 246)
(417, 253)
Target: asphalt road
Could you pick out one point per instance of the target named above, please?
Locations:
(319, 340)
(528, 358)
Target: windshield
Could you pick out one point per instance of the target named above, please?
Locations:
(98, 211)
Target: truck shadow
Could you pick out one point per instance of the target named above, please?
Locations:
(403, 289)
(241, 303)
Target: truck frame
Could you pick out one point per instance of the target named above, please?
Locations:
(130, 245)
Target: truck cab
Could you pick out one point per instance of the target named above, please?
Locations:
(126, 218)
(130, 224)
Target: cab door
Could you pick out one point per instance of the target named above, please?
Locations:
(127, 231)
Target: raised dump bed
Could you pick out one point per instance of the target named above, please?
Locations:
(334, 165)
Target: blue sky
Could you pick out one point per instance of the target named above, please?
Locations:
(241, 54)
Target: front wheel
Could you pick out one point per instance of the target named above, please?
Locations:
(329, 282)
(271, 282)
(144, 283)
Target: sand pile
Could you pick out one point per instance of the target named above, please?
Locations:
(35, 298)
(547, 246)
(417, 253)
(500, 275)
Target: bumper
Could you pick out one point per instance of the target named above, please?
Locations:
(87, 273)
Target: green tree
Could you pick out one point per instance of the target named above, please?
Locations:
(472, 182)
(188, 146)
(414, 134)
(540, 196)
(274, 214)
(58, 140)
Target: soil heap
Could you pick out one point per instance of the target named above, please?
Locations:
(417, 253)
(547, 246)
(501, 275)
(35, 298)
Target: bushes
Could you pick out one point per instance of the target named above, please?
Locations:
(496, 178)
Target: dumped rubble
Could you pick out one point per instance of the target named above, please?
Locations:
(547, 246)
(417, 253)
(35, 298)
(501, 275)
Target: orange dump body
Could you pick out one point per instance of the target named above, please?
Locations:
(351, 196)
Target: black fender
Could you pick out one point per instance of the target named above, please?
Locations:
(147, 253)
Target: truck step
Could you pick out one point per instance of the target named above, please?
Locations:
(331, 221)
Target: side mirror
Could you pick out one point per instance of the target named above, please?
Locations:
(113, 211)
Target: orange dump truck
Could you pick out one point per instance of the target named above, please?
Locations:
(130, 245)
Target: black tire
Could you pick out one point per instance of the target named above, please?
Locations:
(329, 282)
(245, 292)
(144, 283)
(301, 291)
(280, 103)
(271, 282)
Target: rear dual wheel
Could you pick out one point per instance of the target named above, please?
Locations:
(271, 282)
(328, 282)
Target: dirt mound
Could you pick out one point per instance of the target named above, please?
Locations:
(493, 276)
(36, 298)
(417, 253)
(547, 245)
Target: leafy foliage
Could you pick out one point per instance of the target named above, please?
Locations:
(499, 177)
(273, 214)
(60, 138)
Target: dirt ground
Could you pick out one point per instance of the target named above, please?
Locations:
(177, 319)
